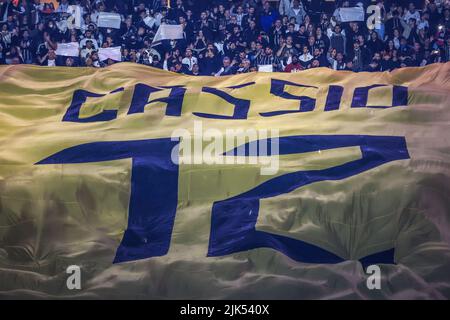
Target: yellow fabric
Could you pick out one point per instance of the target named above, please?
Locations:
(53, 216)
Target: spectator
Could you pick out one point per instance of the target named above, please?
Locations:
(306, 57)
(267, 58)
(189, 60)
(228, 36)
(87, 49)
(245, 66)
(294, 66)
(228, 67)
(267, 16)
(48, 59)
(337, 39)
(297, 12)
(287, 49)
(375, 44)
(394, 23)
(359, 57)
(412, 13)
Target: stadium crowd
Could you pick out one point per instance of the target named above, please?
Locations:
(222, 37)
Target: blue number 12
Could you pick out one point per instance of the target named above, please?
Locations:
(154, 194)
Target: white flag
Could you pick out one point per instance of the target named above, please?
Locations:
(109, 20)
(70, 49)
(169, 31)
(265, 68)
(113, 53)
(351, 14)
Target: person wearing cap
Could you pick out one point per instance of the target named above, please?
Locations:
(209, 63)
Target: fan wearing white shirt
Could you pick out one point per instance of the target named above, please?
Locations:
(89, 48)
(88, 36)
(189, 60)
(306, 57)
(411, 13)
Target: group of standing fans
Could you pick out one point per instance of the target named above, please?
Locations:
(223, 37)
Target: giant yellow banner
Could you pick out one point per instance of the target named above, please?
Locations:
(260, 185)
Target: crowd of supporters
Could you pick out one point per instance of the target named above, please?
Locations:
(223, 37)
